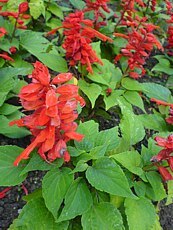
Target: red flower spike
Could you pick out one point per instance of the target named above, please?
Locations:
(165, 142)
(162, 155)
(54, 109)
(23, 7)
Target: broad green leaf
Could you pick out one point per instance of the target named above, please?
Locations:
(36, 44)
(9, 72)
(80, 167)
(169, 82)
(53, 61)
(91, 90)
(154, 122)
(111, 100)
(11, 131)
(140, 213)
(78, 200)
(55, 185)
(56, 10)
(36, 8)
(98, 151)
(135, 99)
(89, 129)
(132, 161)
(36, 216)
(131, 84)
(140, 188)
(153, 90)
(37, 163)
(7, 109)
(163, 66)
(106, 175)
(108, 137)
(3, 96)
(131, 127)
(79, 4)
(102, 216)
(157, 185)
(10, 174)
(106, 74)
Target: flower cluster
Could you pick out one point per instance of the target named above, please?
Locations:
(79, 34)
(164, 154)
(140, 44)
(19, 16)
(169, 46)
(97, 7)
(54, 109)
(140, 38)
(5, 55)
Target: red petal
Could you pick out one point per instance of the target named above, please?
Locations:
(61, 78)
(51, 98)
(74, 136)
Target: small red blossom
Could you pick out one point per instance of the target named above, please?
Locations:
(13, 50)
(6, 57)
(54, 105)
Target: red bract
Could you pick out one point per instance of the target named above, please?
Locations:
(3, 192)
(165, 173)
(13, 49)
(78, 37)
(167, 143)
(54, 109)
(6, 57)
(2, 31)
(23, 7)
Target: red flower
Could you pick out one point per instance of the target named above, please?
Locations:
(3, 192)
(6, 57)
(167, 143)
(54, 109)
(13, 50)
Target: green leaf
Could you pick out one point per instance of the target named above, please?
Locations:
(111, 100)
(36, 44)
(98, 151)
(53, 61)
(131, 128)
(37, 163)
(157, 185)
(36, 8)
(10, 174)
(132, 161)
(56, 10)
(3, 96)
(91, 90)
(78, 200)
(89, 129)
(163, 65)
(106, 74)
(108, 137)
(135, 99)
(153, 90)
(7, 109)
(102, 216)
(106, 175)
(80, 167)
(36, 216)
(55, 185)
(12, 131)
(140, 214)
(131, 84)
(79, 4)
(154, 122)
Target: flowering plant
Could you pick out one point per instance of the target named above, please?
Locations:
(80, 85)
